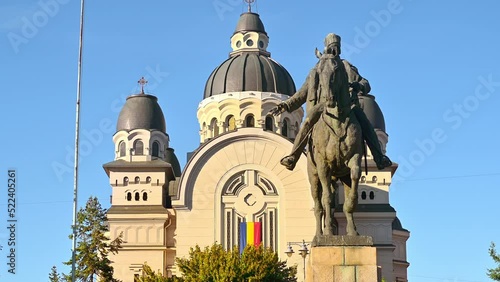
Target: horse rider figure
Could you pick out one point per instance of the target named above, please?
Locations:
(357, 86)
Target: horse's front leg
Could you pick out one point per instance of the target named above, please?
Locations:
(316, 195)
(325, 177)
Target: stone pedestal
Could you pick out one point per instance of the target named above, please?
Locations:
(343, 259)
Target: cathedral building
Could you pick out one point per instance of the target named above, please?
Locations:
(233, 184)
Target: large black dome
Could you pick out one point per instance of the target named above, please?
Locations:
(372, 111)
(249, 71)
(141, 112)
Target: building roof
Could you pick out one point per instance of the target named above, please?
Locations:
(249, 71)
(250, 68)
(396, 225)
(171, 158)
(141, 111)
(250, 22)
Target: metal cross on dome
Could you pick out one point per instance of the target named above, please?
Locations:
(142, 82)
(249, 2)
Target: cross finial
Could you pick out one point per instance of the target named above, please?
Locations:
(142, 82)
(249, 2)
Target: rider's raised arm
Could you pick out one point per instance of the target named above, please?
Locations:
(300, 97)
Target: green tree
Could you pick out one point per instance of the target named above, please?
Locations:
(148, 275)
(494, 273)
(93, 247)
(216, 264)
(54, 275)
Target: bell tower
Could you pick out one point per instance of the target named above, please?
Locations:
(139, 176)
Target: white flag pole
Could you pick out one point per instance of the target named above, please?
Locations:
(77, 136)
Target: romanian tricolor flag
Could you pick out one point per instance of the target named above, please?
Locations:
(250, 234)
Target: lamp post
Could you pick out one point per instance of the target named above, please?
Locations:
(303, 251)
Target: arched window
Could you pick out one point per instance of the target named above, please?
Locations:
(138, 148)
(214, 127)
(204, 130)
(372, 195)
(137, 180)
(125, 181)
(363, 195)
(284, 128)
(156, 149)
(129, 196)
(249, 121)
(137, 196)
(144, 196)
(296, 128)
(269, 123)
(123, 149)
(231, 123)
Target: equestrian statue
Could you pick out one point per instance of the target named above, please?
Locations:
(335, 129)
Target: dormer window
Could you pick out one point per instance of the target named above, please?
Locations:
(122, 148)
(138, 147)
(249, 121)
(269, 123)
(214, 127)
(231, 123)
(156, 149)
(284, 128)
(137, 180)
(125, 181)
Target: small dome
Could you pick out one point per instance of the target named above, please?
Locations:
(249, 71)
(396, 225)
(372, 111)
(141, 112)
(250, 22)
(171, 158)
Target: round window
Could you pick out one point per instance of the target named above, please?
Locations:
(249, 42)
(238, 44)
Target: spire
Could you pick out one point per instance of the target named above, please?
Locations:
(142, 82)
(249, 2)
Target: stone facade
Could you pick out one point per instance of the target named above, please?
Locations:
(233, 177)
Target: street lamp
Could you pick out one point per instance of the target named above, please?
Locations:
(303, 251)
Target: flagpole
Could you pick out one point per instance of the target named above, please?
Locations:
(77, 136)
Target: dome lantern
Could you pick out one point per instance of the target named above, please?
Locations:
(250, 66)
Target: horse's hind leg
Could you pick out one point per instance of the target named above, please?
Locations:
(351, 195)
(316, 195)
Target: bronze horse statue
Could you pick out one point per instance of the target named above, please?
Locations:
(335, 145)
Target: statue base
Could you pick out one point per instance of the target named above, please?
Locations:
(343, 258)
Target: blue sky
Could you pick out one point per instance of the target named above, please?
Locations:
(434, 68)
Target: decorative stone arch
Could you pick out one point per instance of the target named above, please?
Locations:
(247, 193)
(198, 199)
